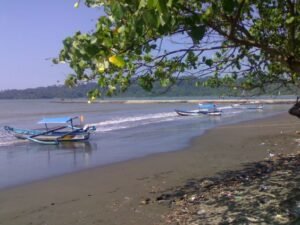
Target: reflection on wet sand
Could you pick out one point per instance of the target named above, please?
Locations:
(31, 161)
(81, 151)
(85, 146)
(78, 146)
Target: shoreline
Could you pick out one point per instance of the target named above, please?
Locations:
(186, 146)
(214, 100)
(120, 193)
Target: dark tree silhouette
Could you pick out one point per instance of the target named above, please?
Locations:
(295, 110)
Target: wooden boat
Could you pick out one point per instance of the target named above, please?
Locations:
(198, 113)
(67, 132)
(188, 113)
(209, 109)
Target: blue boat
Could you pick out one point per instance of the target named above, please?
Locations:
(207, 107)
(66, 133)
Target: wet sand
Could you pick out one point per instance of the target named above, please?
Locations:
(125, 193)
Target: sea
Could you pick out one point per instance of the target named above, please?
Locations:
(123, 132)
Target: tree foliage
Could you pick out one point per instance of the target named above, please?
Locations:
(161, 40)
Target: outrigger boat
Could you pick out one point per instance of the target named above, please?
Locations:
(68, 132)
(198, 113)
(209, 109)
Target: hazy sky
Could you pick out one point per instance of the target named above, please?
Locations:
(31, 32)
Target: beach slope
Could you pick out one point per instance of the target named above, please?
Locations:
(128, 192)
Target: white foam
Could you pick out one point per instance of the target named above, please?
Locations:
(7, 139)
(118, 123)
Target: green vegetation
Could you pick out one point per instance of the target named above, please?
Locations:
(47, 92)
(181, 88)
(158, 41)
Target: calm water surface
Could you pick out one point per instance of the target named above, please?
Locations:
(124, 131)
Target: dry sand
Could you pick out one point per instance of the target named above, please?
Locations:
(125, 193)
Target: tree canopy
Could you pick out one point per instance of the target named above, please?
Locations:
(238, 43)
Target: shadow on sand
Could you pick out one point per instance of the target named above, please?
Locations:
(266, 192)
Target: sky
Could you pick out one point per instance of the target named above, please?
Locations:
(32, 31)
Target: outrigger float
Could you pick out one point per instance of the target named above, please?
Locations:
(67, 133)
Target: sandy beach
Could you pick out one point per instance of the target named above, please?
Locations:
(126, 193)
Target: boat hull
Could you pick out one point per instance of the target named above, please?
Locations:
(41, 136)
(188, 113)
(54, 137)
(197, 113)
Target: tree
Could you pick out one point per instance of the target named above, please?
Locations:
(238, 43)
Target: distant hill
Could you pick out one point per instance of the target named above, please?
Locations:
(181, 88)
(55, 91)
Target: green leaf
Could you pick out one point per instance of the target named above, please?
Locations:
(76, 5)
(148, 58)
(117, 61)
(290, 20)
(121, 29)
(102, 81)
(71, 80)
(100, 67)
(94, 40)
(207, 13)
(162, 7)
(161, 20)
(150, 18)
(209, 62)
(197, 33)
(152, 3)
(93, 94)
(142, 4)
(117, 10)
(228, 5)
(111, 89)
(165, 82)
(170, 2)
(146, 82)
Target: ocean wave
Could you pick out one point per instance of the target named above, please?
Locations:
(118, 123)
(7, 139)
